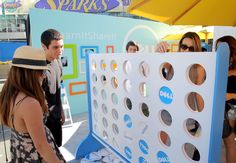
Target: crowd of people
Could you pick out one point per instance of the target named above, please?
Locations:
(33, 88)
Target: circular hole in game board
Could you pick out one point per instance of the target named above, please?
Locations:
(115, 114)
(197, 74)
(191, 152)
(94, 65)
(95, 92)
(127, 67)
(104, 94)
(165, 139)
(193, 127)
(95, 104)
(103, 65)
(115, 129)
(114, 65)
(114, 98)
(104, 109)
(167, 71)
(128, 152)
(195, 101)
(166, 117)
(128, 121)
(144, 69)
(128, 103)
(114, 82)
(94, 78)
(145, 109)
(104, 79)
(104, 122)
(104, 135)
(127, 85)
(142, 159)
(143, 89)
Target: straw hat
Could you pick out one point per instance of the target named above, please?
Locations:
(29, 58)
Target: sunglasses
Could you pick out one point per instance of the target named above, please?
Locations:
(185, 47)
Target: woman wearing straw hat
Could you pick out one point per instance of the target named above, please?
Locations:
(23, 108)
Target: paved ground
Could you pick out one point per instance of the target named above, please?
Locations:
(72, 136)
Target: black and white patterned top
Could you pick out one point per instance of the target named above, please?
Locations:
(22, 147)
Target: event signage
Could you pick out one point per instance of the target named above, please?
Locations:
(78, 5)
(9, 7)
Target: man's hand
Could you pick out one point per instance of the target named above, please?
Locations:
(162, 47)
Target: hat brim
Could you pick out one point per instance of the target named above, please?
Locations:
(31, 67)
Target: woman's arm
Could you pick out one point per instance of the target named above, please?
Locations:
(230, 96)
(32, 116)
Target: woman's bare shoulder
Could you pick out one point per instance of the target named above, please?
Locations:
(30, 104)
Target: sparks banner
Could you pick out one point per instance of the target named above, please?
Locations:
(9, 7)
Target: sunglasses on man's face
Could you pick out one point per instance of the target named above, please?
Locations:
(185, 47)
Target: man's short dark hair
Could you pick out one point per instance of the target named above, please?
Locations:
(50, 35)
(130, 43)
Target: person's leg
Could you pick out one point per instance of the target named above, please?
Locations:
(55, 127)
(196, 155)
(58, 132)
(230, 145)
(230, 148)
